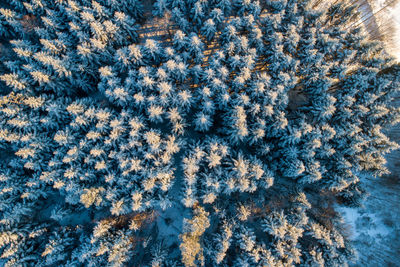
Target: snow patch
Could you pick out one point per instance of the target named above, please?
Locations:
(363, 223)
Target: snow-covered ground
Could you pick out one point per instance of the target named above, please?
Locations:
(363, 222)
(375, 228)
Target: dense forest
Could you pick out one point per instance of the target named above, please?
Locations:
(187, 132)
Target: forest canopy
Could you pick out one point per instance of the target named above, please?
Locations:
(222, 141)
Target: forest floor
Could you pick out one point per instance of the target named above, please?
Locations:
(374, 228)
